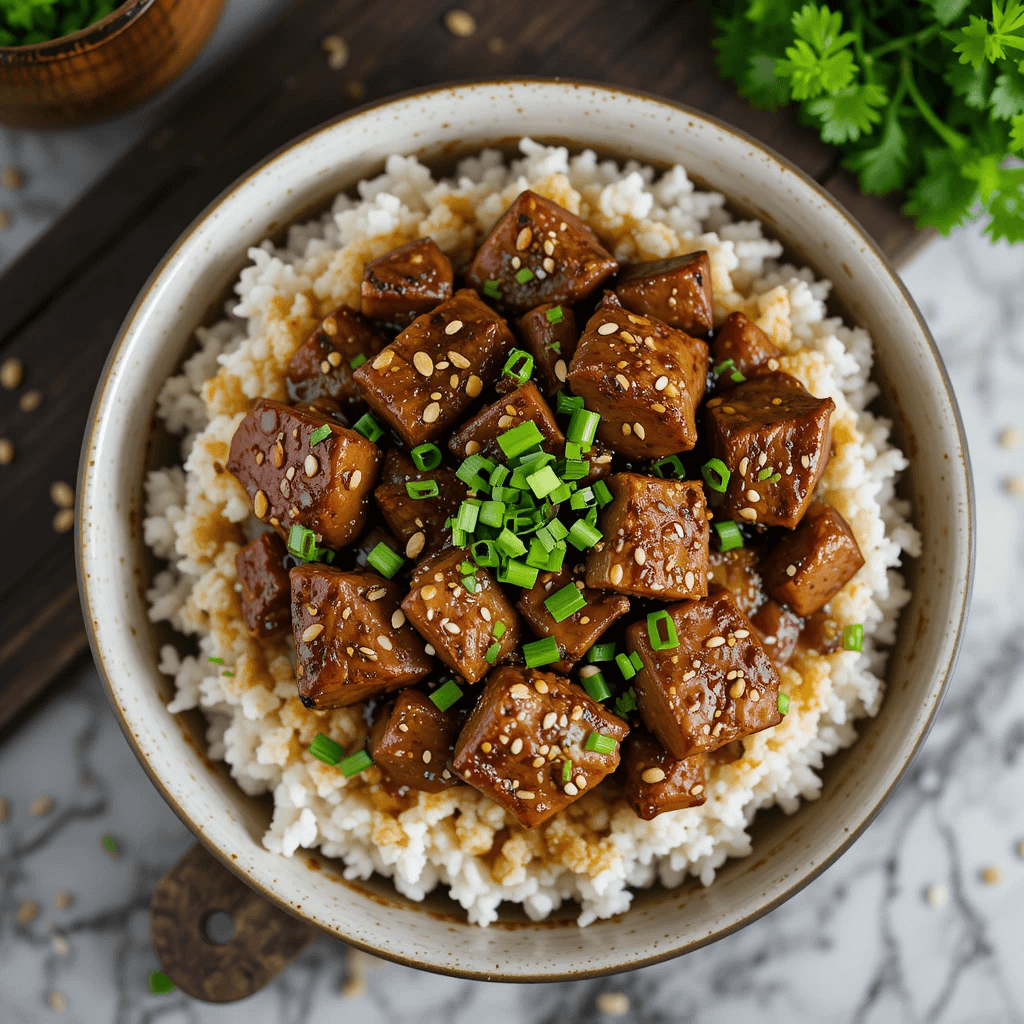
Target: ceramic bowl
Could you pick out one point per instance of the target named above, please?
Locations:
(192, 280)
(105, 68)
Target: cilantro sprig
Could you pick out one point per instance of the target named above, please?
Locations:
(23, 22)
(926, 98)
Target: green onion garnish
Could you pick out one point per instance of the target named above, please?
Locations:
(467, 517)
(566, 771)
(555, 315)
(555, 347)
(509, 544)
(499, 475)
(159, 983)
(625, 703)
(582, 427)
(727, 366)
(355, 763)
(498, 630)
(575, 469)
(357, 361)
(565, 602)
(492, 513)
(520, 439)
(518, 574)
(544, 482)
(445, 696)
(492, 289)
(472, 469)
(466, 568)
(420, 489)
(625, 666)
(596, 687)
(853, 637)
(556, 557)
(541, 652)
(764, 474)
(426, 456)
(524, 275)
(492, 653)
(716, 475)
(573, 451)
(384, 560)
(636, 661)
(582, 535)
(655, 622)
(469, 582)
(601, 652)
(736, 377)
(323, 748)
(783, 704)
(302, 543)
(368, 427)
(583, 499)
(600, 743)
(484, 553)
(320, 434)
(774, 478)
(729, 535)
(602, 493)
(216, 661)
(567, 404)
(109, 844)
(518, 366)
(670, 467)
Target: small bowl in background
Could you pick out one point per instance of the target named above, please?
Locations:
(105, 68)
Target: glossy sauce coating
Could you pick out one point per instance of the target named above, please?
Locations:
(654, 781)
(406, 283)
(677, 291)
(265, 590)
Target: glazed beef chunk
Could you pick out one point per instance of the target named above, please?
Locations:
(749, 348)
(779, 630)
(266, 593)
(655, 539)
(412, 742)
(654, 781)
(480, 434)
(548, 333)
(322, 365)
(738, 572)
(716, 686)
(423, 383)
(676, 291)
(406, 283)
(525, 743)
(774, 438)
(809, 566)
(539, 253)
(643, 377)
(461, 625)
(351, 641)
(324, 487)
(576, 634)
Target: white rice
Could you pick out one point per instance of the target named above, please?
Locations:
(198, 517)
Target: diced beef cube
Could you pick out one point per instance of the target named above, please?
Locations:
(728, 754)
(406, 282)
(418, 522)
(737, 571)
(324, 487)
(326, 407)
(654, 781)
(481, 433)
(351, 639)
(576, 634)
(809, 566)
(654, 539)
(412, 742)
(750, 349)
(644, 378)
(539, 253)
(426, 379)
(779, 630)
(717, 686)
(322, 365)
(821, 633)
(774, 438)
(676, 290)
(266, 592)
(460, 624)
(524, 745)
(551, 343)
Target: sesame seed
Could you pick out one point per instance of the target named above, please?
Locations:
(615, 573)
(790, 570)
(526, 794)
(64, 520)
(460, 23)
(12, 372)
(517, 745)
(627, 429)
(661, 383)
(653, 775)
(753, 496)
(474, 386)
(428, 592)
(570, 790)
(355, 479)
(627, 337)
(374, 595)
(561, 370)
(423, 363)
(30, 401)
(697, 790)
(416, 544)
(431, 413)
(311, 465)
(638, 429)
(608, 328)
(452, 628)
(519, 690)
(524, 238)
(737, 688)
(485, 614)
(383, 361)
(549, 720)
(6, 452)
(312, 632)
(689, 579)
(776, 401)
(504, 421)
(549, 247)
(334, 358)
(384, 642)
(639, 556)
(325, 367)
(755, 696)
(714, 641)
(540, 686)
(805, 462)
(516, 262)
(429, 649)
(658, 407)
(548, 264)
(486, 747)
(426, 756)
(748, 513)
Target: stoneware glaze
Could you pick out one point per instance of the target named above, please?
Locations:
(115, 568)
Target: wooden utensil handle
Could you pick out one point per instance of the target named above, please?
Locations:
(265, 938)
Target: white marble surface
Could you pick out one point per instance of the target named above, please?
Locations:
(860, 944)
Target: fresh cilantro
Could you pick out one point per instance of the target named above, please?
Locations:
(1017, 134)
(883, 167)
(1008, 95)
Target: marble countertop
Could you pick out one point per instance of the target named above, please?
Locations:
(921, 921)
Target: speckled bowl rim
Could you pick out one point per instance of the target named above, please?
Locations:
(75, 42)
(936, 690)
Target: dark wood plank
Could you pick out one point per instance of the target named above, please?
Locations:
(64, 301)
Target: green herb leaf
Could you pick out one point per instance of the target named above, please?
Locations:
(1008, 95)
(846, 113)
(942, 197)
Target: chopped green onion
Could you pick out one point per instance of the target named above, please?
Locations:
(357, 361)
(320, 434)
(555, 347)
(492, 513)
(573, 451)
(492, 289)
(728, 366)
(469, 582)
(557, 529)
(498, 475)
(736, 377)
(566, 771)
(582, 427)
(636, 661)
(764, 474)
(302, 542)
(498, 630)
(594, 684)
(471, 472)
(583, 499)
(670, 467)
(518, 574)
(467, 516)
(582, 535)
(537, 557)
(419, 489)
(600, 743)
(575, 469)
(543, 482)
(783, 704)
(654, 624)
(729, 535)
(853, 637)
(509, 495)
(567, 404)
(774, 478)
(625, 666)
(492, 653)
(384, 560)
(466, 567)
(355, 763)
(445, 696)
(109, 844)
(509, 544)
(556, 558)
(323, 748)
(459, 537)
(565, 602)
(518, 366)
(524, 275)
(426, 456)
(555, 315)
(230, 674)
(601, 652)
(716, 475)
(216, 661)
(368, 427)
(484, 553)
(159, 983)
(625, 703)
(602, 493)
(561, 493)
(541, 652)
(520, 439)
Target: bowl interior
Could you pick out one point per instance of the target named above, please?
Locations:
(788, 851)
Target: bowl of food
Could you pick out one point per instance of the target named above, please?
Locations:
(531, 540)
(64, 64)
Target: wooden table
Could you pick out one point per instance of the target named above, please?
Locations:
(61, 305)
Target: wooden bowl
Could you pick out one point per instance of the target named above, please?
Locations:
(105, 68)
(115, 567)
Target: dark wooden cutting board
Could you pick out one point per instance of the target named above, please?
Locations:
(61, 305)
